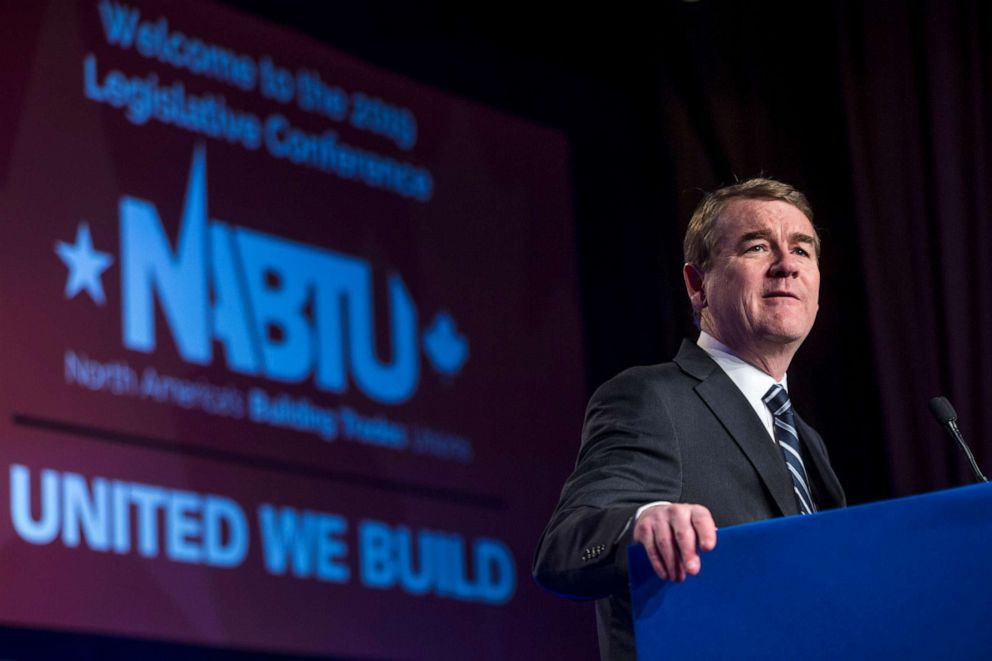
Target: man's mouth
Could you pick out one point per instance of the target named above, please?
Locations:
(781, 294)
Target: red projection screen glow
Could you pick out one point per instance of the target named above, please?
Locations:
(290, 344)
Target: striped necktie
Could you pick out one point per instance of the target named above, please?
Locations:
(777, 400)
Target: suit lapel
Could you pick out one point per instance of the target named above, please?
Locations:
(833, 493)
(730, 407)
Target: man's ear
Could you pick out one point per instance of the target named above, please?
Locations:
(694, 287)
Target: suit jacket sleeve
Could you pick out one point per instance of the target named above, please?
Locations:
(629, 456)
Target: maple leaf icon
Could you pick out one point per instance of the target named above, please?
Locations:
(445, 347)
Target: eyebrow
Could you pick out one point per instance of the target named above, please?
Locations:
(758, 234)
(797, 237)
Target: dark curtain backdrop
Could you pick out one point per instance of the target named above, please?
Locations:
(916, 95)
(878, 110)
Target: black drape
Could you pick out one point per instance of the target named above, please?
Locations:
(917, 99)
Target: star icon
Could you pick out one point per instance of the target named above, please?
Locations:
(85, 265)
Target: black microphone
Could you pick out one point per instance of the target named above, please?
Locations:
(948, 419)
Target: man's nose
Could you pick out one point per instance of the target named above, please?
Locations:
(785, 265)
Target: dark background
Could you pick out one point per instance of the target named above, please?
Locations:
(877, 110)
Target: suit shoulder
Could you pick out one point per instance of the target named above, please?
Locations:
(643, 380)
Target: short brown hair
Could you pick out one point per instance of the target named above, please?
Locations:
(701, 235)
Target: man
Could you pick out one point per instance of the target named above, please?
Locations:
(669, 452)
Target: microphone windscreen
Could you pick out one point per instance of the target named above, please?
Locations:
(942, 410)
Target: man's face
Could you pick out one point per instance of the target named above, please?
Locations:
(763, 283)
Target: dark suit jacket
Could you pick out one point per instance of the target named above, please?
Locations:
(681, 432)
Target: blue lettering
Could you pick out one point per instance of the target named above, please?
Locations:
(85, 515)
(284, 333)
(119, 22)
(179, 279)
(414, 581)
(305, 543)
(495, 571)
(231, 324)
(390, 384)
(261, 287)
(147, 500)
(145, 99)
(46, 527)
(97, 513)
(121, 524)
(377, 566)
(388, 559)
(182, 544)
(220, 513)
(150, 37)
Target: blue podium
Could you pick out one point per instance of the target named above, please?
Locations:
(901, 579)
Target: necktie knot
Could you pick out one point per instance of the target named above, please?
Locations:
(777, 400)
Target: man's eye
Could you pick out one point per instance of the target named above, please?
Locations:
(758, 247)
(801, 251)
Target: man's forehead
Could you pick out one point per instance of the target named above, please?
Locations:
(743, 216)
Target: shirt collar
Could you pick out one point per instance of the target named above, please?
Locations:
(749, 379)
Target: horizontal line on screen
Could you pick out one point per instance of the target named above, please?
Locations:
(450, 496)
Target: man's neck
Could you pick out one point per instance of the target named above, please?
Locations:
(773, 359)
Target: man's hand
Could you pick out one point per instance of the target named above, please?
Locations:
(671, 534)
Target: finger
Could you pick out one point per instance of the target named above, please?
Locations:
(656, 562)
(702, 521)
(644, 535)
(685, 539)
(666, 548)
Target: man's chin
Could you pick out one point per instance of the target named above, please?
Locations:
(785, 336)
